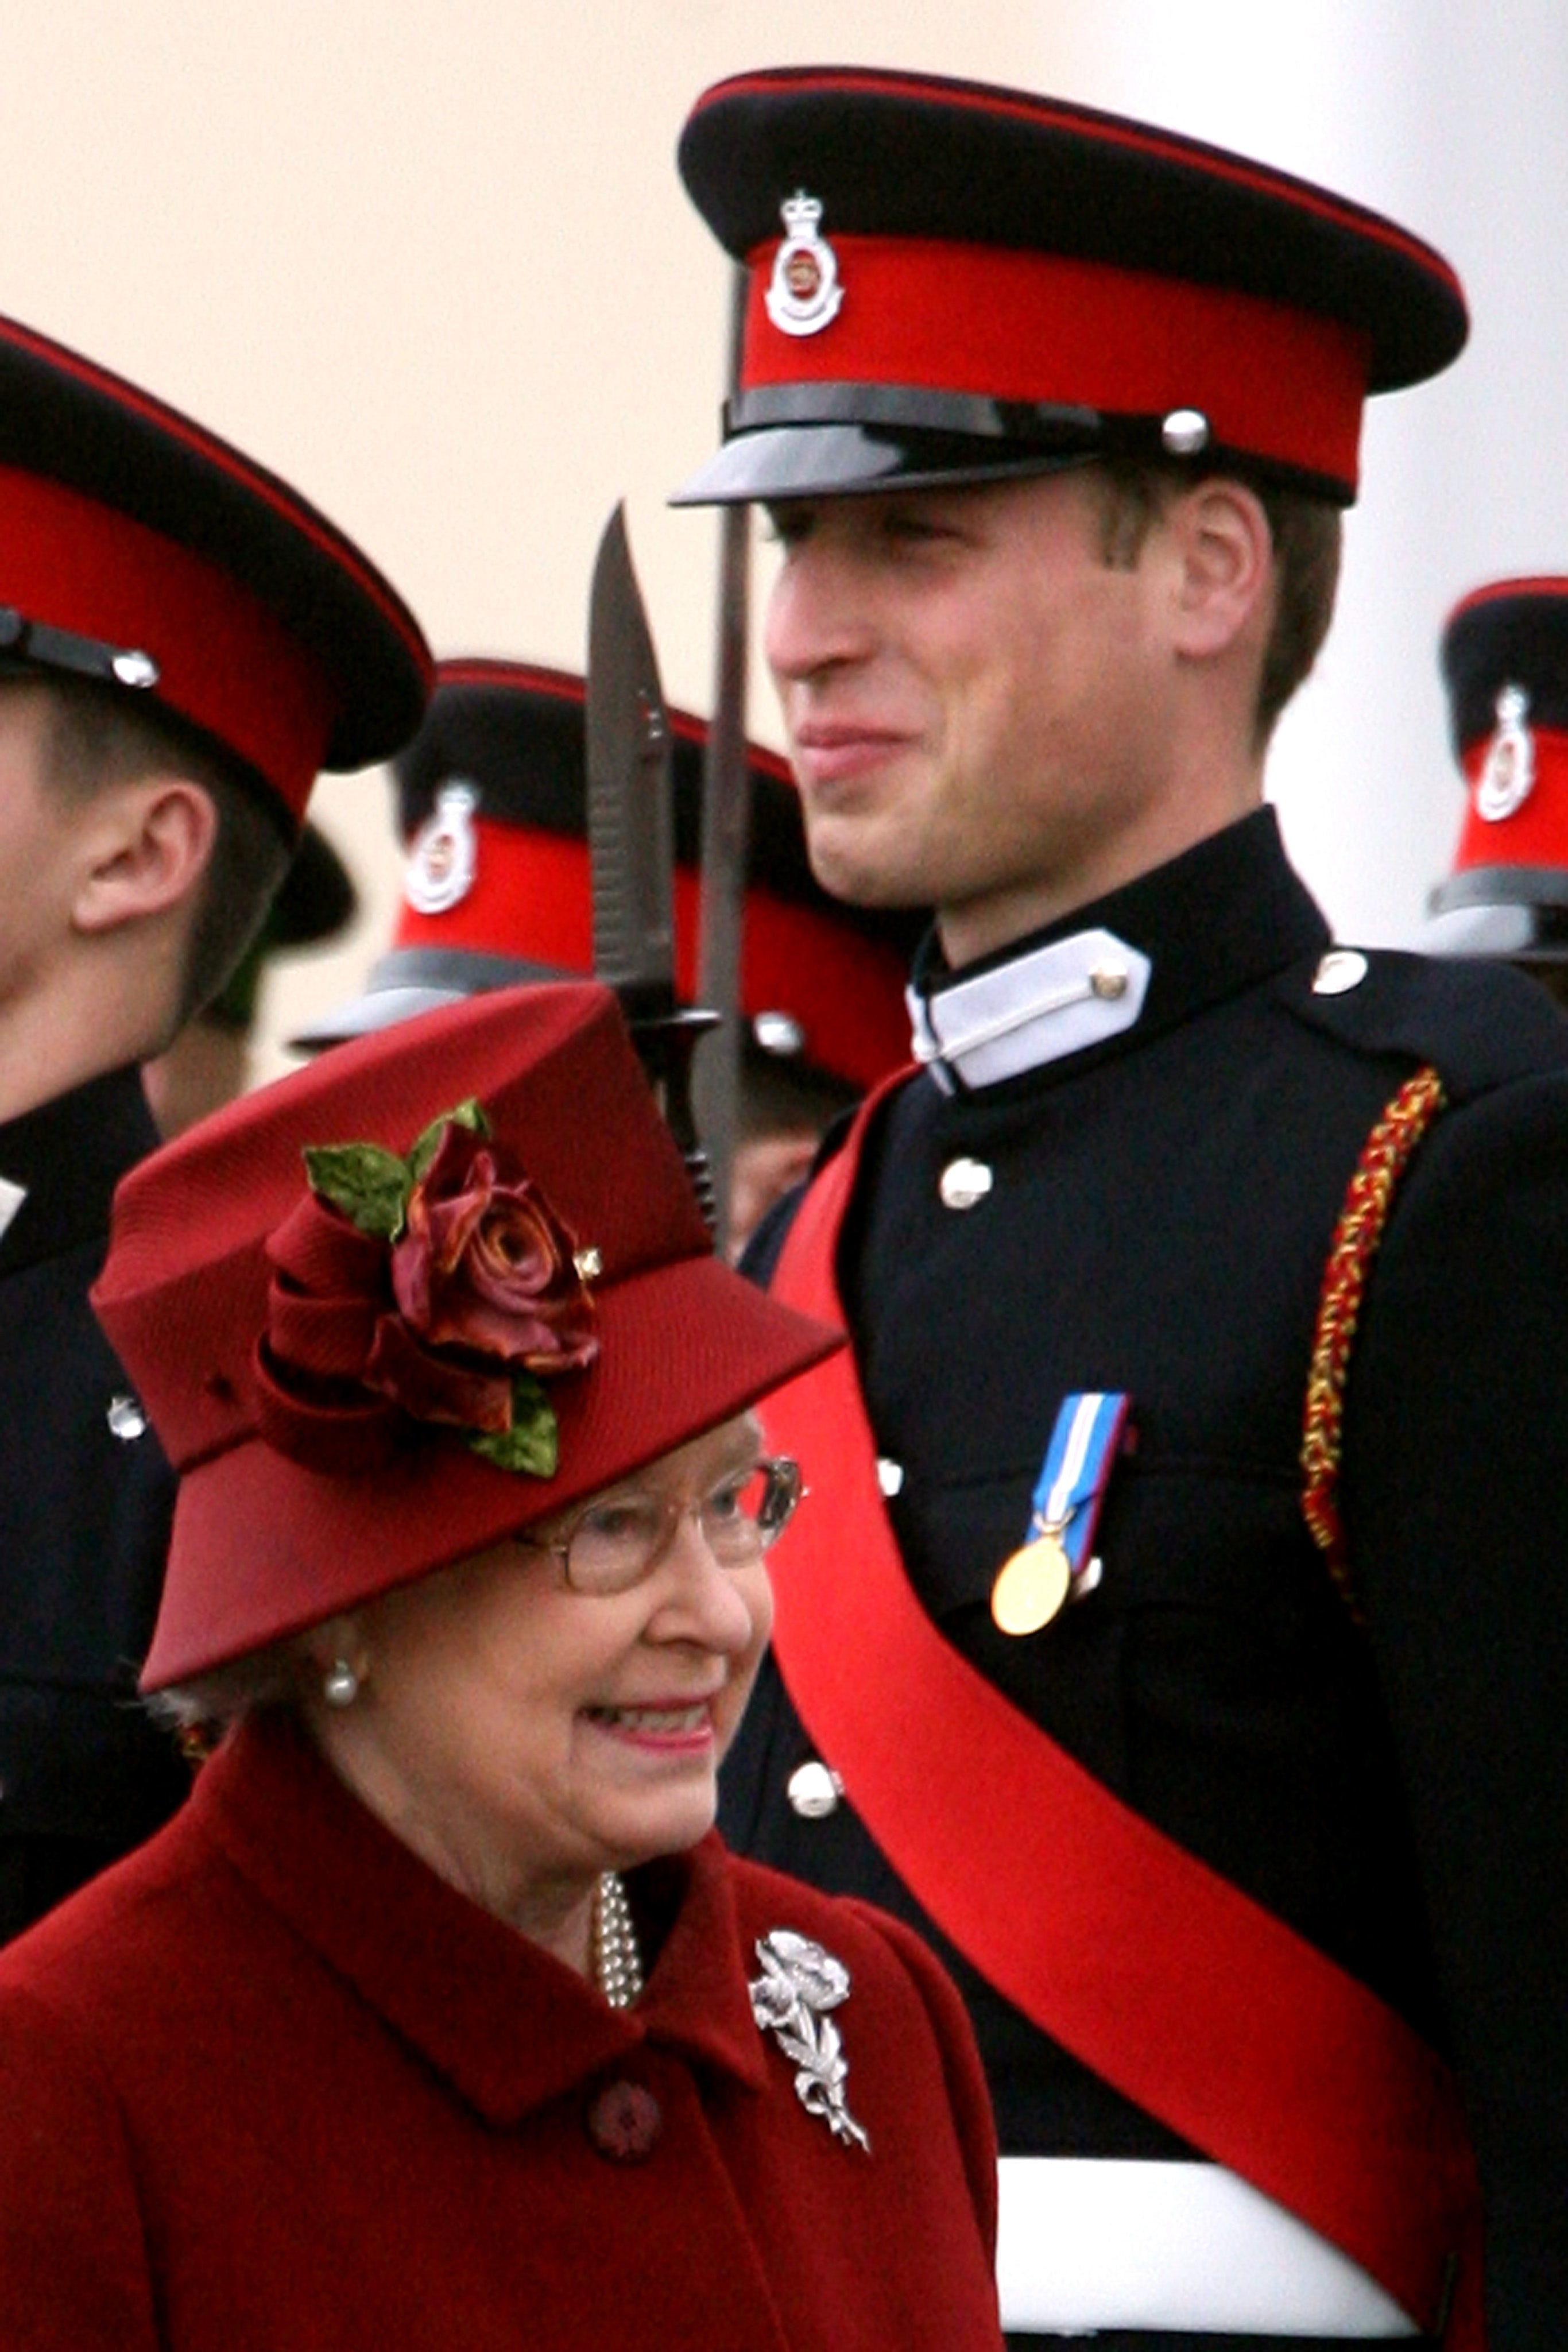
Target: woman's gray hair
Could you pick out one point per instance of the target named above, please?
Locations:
(210, 1704)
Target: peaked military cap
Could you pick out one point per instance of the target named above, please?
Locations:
(492, 804)
(1504, 660)
(139, 551)
(953, 283)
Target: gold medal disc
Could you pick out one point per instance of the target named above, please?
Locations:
(1032, 1586)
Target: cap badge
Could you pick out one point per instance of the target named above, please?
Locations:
(445, 853)
(1508, 773)
(803, 293)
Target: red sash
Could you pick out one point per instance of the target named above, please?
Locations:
(1167, 1982)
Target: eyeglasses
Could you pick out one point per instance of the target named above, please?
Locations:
(613, 1543)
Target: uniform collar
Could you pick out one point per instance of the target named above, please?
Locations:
(1225, 914)
(63, 1160)
(507, 2024)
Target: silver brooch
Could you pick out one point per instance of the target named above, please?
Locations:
(1508, 773)
(799, 1984)
(804, 292)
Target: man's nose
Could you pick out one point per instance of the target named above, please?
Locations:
(818, 614)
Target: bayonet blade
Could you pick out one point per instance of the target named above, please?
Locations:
(631, 808)
(632, 842)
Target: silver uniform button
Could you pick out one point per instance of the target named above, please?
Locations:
(135, 669)
(126, 1418)
(963, 1182)
(1184, 432)
(813, 1789)
(778, 1032)
(889, 1478)
(1340, 970)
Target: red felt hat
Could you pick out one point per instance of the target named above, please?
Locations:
(139, 551)
(952, 283)
(320, 1389)
(492, 798)
(1505, 659)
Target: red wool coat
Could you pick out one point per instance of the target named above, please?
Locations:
(271, 2083)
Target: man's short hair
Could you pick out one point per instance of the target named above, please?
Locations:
(1306, 533)
(96, 739)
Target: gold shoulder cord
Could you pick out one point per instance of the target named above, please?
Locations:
(1369, 1199)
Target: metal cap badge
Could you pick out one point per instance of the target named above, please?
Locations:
(443, 854)
(803, 293)
(1509, 770)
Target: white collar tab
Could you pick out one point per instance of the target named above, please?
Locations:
(1035, 1009)
(12, 1196)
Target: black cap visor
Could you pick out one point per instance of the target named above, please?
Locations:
(830, 440)
(835, 440)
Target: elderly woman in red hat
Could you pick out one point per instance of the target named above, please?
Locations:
(439, 2015)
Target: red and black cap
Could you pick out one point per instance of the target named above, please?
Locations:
(139, 551)
(334, 1423)
(955, 283)
(492, 800)
(1504, 660)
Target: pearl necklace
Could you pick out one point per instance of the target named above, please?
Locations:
(617, 1962)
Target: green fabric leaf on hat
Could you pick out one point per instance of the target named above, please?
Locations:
(369, 1185)
(533, 1442)
(467, 1114)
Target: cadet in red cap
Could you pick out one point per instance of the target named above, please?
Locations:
(1504, 657)
(492, 809)
(1207, 1415)
(184, 644)
(438, 2015)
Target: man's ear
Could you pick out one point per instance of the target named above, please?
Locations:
(1225, 558)
(149, 846)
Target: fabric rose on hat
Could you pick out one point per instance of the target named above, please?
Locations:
(442, 1285)
(486, 1264)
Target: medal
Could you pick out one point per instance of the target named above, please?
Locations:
(1032, 1586)
(1052, 1564)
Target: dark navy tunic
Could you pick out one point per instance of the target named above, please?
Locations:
(1160, 1218)
(84, 1517)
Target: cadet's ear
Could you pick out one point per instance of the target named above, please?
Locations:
(146, 849)
(1225, 553)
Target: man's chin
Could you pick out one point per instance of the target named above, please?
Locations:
(847, 870)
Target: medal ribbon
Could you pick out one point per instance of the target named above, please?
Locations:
(1074, 1477)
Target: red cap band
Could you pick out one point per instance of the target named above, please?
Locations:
(225, 662)
(1536, 833)
(1272, 381)
(528, 900)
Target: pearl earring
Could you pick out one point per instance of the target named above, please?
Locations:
(341, 1684)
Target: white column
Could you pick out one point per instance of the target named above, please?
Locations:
(1449, 115)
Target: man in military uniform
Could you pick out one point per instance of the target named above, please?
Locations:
(183, 643)
(1174, 1632)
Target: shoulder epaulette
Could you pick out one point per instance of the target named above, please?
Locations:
(1479, 1024)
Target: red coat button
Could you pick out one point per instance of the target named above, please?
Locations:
(624, 2120)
